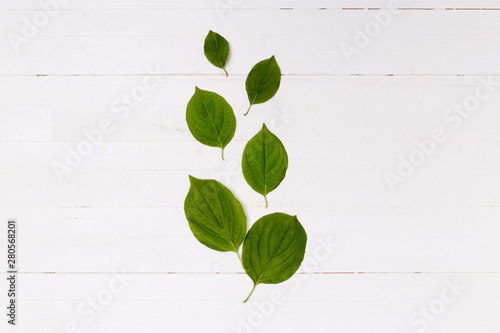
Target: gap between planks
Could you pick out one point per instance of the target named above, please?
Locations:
(278, 206)
(242, 273)
(244, 75)
(261, 9)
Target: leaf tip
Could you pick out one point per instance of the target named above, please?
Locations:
(265, 129)
(209, 35)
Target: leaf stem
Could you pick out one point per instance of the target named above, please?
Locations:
(255, 285)
(223, 153)
(225, 71)
(241, 261)
(239, 257)
(265, 198)
(248, 109)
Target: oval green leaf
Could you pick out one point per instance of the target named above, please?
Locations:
(263, 81)
(264, 162)
(215, 216)
(273, 249)
(216, 50)
(210, 119)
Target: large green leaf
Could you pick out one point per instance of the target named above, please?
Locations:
(264, 162)
(210, 119)
(274, 249)
(216, 50)
(263, 81)
(215, 216)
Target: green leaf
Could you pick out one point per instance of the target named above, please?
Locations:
(215, 216)
(216, 50)
(210, 119)
(274, 249)
(263, 81)
(264, 162)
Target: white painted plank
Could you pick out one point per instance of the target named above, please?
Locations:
(307, 109)
(321, 302)
(319, 188)
(341, 239)
(245, 5)
(304, 42)
(157, 156)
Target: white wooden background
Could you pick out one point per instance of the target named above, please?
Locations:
(343, 123)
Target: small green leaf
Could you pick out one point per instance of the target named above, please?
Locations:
(210, 119)
(263, 81)
(273, 249)
(264, 162)
(215, 216)
(216, 50)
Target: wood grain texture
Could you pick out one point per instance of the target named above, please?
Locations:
(304, 42)
(304, 109)
(375, 259)
(158, 239)
(255, 4)
(167, 302)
